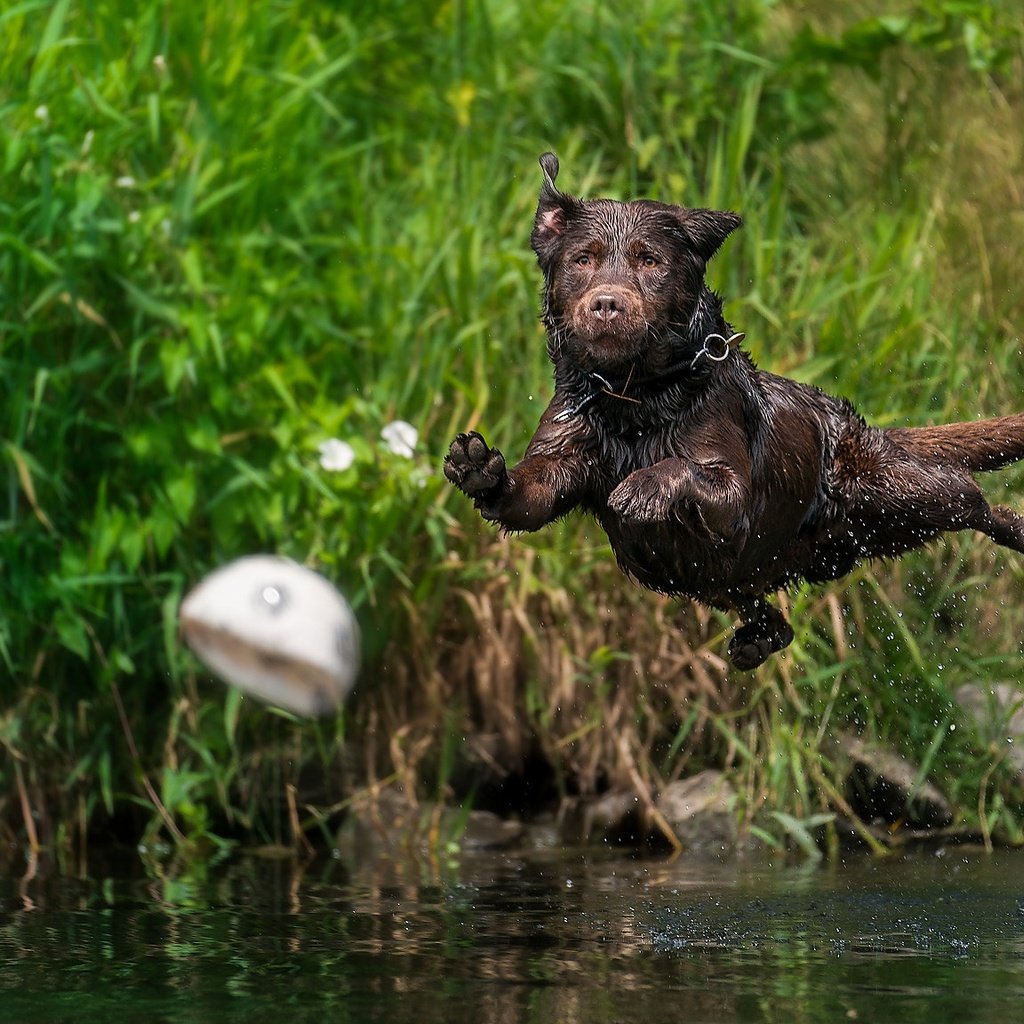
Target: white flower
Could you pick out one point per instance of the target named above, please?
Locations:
(335, 456)
(401, 438)
(160, 63)
(43, 112)
(134, 217)
(125, 181)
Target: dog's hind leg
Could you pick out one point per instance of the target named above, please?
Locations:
(965, 448)
(1002, 524)
(764, 631)
(895, 495)
(920, 502)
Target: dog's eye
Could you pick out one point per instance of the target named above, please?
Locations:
(582, 261)
(649, 260)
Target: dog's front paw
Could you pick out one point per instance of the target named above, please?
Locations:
(643, 496)
(474, 467)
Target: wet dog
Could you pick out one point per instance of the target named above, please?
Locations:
(713, 479)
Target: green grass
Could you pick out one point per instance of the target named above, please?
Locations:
(232, 232)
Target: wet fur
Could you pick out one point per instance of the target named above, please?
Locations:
(712, 479)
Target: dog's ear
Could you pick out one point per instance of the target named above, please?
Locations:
(708, 229)
(555, 210)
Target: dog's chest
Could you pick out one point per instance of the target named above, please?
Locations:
(623, 444)
(668, 556)
(665, 556)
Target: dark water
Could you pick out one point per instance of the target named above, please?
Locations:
(496, 941)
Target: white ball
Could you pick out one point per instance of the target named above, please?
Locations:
(277, 630)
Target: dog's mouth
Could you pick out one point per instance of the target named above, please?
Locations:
(609, 324)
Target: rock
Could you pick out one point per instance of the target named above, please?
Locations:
(487, 831)
(386, 823)
(997, 713)
(379, 823)
(543, 833)
(612, 817)
(881, 787)
(701, 811)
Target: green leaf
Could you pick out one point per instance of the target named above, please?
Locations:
(105, 777)
(71, 633)
(47, 42)
(232, 709)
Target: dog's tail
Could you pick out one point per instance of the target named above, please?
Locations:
(977, 446)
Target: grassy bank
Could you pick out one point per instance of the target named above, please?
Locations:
(233, 232)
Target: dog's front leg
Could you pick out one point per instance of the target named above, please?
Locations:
(713, 493)
(534, 492)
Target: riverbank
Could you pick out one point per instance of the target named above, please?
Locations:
(237, 238)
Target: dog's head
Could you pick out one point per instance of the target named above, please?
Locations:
(622, 280)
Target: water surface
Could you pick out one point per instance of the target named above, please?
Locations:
(497, 940)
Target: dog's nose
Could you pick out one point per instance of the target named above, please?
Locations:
(605, 305)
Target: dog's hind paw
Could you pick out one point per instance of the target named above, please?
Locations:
(753, 643)
(474, 467)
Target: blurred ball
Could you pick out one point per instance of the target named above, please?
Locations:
(276, 630)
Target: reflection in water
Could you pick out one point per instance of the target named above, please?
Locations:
(509, 939)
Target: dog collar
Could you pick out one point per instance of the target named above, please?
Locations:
(716, 347)
(726, 346)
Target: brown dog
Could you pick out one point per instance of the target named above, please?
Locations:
(712, 479)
